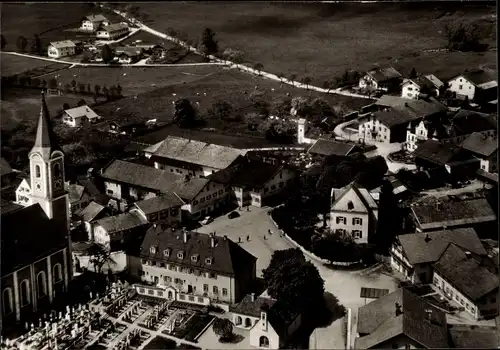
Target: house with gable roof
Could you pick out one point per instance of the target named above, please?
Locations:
(478, 85)
(94, 22)
(354, 212)
(485, 148)
(112, 31)
(62, 48)
(165, 208)
(90, 214)
(424, 84)
(78, 116)
(384, 79)
(116, 232)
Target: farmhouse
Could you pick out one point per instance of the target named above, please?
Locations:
(329, 147)
(129, 125)
(78, 196)
(194, 158)
(254, 181)
(478, 85)
(165, 208)
(401, 320)
(198, 268)
(112, 31)
(79, 116)
(413, 254)
(63, 48)
(115, 232)
(90, 214)
(130, 55)
(425, 84)
(384, 79)
(354, 212)
(466, 122)
(94, 22)
(391, 125)
(485, 148)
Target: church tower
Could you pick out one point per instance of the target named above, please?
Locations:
(47, 170)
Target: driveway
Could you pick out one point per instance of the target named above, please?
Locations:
(345, 285)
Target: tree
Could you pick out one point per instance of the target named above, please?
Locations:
(81, 103)
(234, 56)
(306, 81)
(89, 89)
(184, 113)
(221, 110)
(319, 110)
(119, 91)
(97, 90)
(81, 88)
(208, 45)
(293, 280)
(281, 108)
(3, 41)
(36, 44)
(388, 218)
(99, 256)
(336, 246)
(105, 92)
(252, 119)
(413, 73)
(281, 76)
(66, 106)
(73, 85)
(53, 83)
(301, 106)
(463, 36)
(107, 54)
(112, 92)
(293, 77)
(21, 43)
(223, 328)
(258, 67)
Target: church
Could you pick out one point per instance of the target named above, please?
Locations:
(36, 245)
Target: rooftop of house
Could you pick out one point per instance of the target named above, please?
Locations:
(397, 186)
(5, 167)
(121, 222)
(422, 248)
(327, 147)
(245, 172)
(96, 18)
(197, 152)
(401, 312)
(465, 273)
(384, 74)
(75, 191)
(479, 76)
(62, 44)
(224, 256)
(362, 193)
(89, 184)
(156, 204)
(115, 27)
(390, 101)
(473, 337)
(451, 213)
(465, 122)
(90, 212)
(249, 307)
(82, 111)
(129, 121)
(440, 153)
(409, 111)
(480, 145)
(8, 206)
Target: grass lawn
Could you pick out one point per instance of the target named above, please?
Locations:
(147, 39)
(11, 64)
(135, 80)
(318, 40)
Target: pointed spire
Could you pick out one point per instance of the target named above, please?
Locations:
(45, 140)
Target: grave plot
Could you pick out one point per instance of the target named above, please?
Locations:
(137, 309)
(158, 317)
(133, 340)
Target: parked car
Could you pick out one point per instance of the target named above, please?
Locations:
(233, 215)
(207, 220)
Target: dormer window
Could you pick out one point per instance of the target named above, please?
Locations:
(209, 261)
(350, 205)
(152, 250)
(166, 252)
(180, 255)
(195, 257)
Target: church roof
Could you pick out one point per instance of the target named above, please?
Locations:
(46, 139)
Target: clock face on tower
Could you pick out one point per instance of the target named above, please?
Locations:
(57, 184)
(38, 185)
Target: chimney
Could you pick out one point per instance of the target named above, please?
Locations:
(212, 241)
(429, 314)
(252, 297)
(406, 104)
(468, 255)
(185, 235)
(398, 309)
(225, 237)
(427, 238)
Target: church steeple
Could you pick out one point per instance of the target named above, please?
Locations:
(45, 140)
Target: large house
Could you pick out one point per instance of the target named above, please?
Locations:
(414, 254)
(425, 84)
(112, 31)
(329, 147)
(79, 116)
(193, 158)
(384, 79)
(401, 320)
(194, 267)
(89, 216)
(391, 125)
(94, 22)
(477, 85)
(58, 49)
(354, 212)
(269, 321)
(36, 258)
(485, 148)
(165, 208)
(253, 181)
(116, 232)
(465, 122)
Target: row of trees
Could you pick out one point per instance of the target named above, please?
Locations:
(33, 46)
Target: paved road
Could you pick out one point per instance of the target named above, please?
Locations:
(345, 285)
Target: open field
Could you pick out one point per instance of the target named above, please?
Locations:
(319, 40)
(227, 85)
(12, 65)
(146, 38)
(135, 80)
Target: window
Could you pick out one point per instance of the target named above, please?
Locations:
(151, 292)
(205, 287)
(178, 281)
(41, 284)
(152, 250)
(216, 290)
(159, 293)
(208, 261)
(202, 200)
(25, 293)
(281, 175)
(273, 187)
(209, 197)
(214, 194)
(182, 297)
(191, 298)
(221, 192)
(57, 170)
(341, 220)
(224, 291)
(281, 184)
(350, 205)
(166, 252)
(410, 88)
(190, 271)
(195, 202)
(109, 191)
(467, 306)
(264, 342)
(57, 273)
(357, 233)
(195, 257)
(167, 279)
(8, 306)
(38, 171)
(357, 221)
(256, 200)
(142, 290)
(212, 275)
(200, 299)
(180, 255)
(473, 310)
(460, 87)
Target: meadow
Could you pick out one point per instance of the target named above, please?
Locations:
(320, 40)
(12, 65)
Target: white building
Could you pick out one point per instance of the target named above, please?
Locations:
(79, 116)
(473, 83)
(63, 48)
(112, 31)
(412, 88)
(384, 79)
(94, 22)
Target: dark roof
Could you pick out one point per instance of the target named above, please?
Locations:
(90, 186)
(425, 248)
(246, 172)
(91, 211)
(156, 204)
(373, 293)
(390, 101)
(129, 121)
(440, 153)
(384, 74)
(121, 222)
(378, 319)
(409, 111)
(473, 337)
(480, 76)
(465, 122)
(327, 147)
(465, 273)
(45, 139)
(248, 307)
(74, 191)
(8, 206)
(362, 194)
(450, 213)
(227, 257)
(479, 144)
(5, 167)
(281, 316)
(29, 235)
